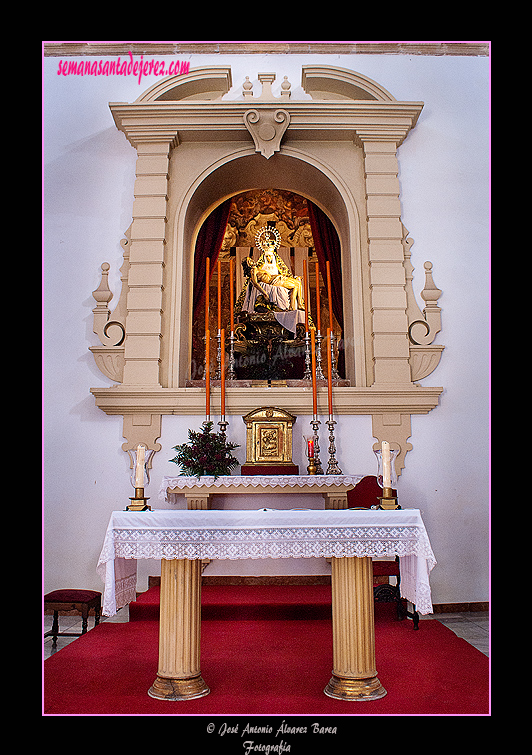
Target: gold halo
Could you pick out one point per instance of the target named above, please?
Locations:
(260, 237)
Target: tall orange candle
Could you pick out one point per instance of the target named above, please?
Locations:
(318, 307)
(219, 295)
(222, 376)
(305, 292)
(329, 295)
(313, 365)
(329, 373)
(232, 292)
(207, 281)
(207, 376)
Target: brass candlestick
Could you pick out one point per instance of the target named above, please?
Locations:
(314, 466)
(335, 374)
(232, 374)
(311, 467)
(319, 371)
(218, 373)
(138, 502)
(332, 467)
(308, 372)
(140, 477)
(315, 424)
(387, 501)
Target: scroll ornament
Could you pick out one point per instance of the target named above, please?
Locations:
(267, 128)
(423, 327)
(110, 328)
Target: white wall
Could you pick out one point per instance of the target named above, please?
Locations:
(88, 194)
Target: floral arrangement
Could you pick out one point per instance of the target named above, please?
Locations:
(206, 453)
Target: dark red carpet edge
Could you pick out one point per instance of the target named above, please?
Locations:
(247, 602)
(268, 666)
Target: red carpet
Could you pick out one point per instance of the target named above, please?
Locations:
(268, 666)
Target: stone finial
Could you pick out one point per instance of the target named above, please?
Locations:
(430, 293)
(247, 88)
(103, 293)
(285, 89)
(266, 79)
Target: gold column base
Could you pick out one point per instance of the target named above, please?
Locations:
(342, 688)
(178, 689)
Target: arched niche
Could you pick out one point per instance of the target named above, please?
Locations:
(297, 173)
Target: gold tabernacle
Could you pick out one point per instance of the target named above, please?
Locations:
(269, 439)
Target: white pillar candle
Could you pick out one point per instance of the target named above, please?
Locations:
(139, 468)
(386, 465)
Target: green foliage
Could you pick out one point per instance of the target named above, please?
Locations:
(206, 453)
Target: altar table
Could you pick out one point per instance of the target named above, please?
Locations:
(349, 537)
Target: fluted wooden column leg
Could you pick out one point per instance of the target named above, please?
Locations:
(179, 675)
(354, 672)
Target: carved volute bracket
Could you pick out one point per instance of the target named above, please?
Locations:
(111, 331)
(396, 429)
(141, 428)
(423, 327)
(267, 128)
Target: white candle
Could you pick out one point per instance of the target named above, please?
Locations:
(139, 469)
(386, 465)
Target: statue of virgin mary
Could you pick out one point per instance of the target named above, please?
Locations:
(270, 284)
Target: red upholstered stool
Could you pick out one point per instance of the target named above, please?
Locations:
(72, 600)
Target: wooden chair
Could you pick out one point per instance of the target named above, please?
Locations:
(72, 600)
(365, 495)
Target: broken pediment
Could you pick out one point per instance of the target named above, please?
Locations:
(332, 83)
(203, 83)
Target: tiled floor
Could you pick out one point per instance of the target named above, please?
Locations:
(473, 627)
(72, 623)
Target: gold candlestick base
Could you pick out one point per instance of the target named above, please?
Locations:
(139, 502)
(312, 468)
(388, 501)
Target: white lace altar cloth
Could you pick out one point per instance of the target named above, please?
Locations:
(269, 533)
(292, 483)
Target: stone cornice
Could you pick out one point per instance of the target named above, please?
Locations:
(224, 120)
(122, 399)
